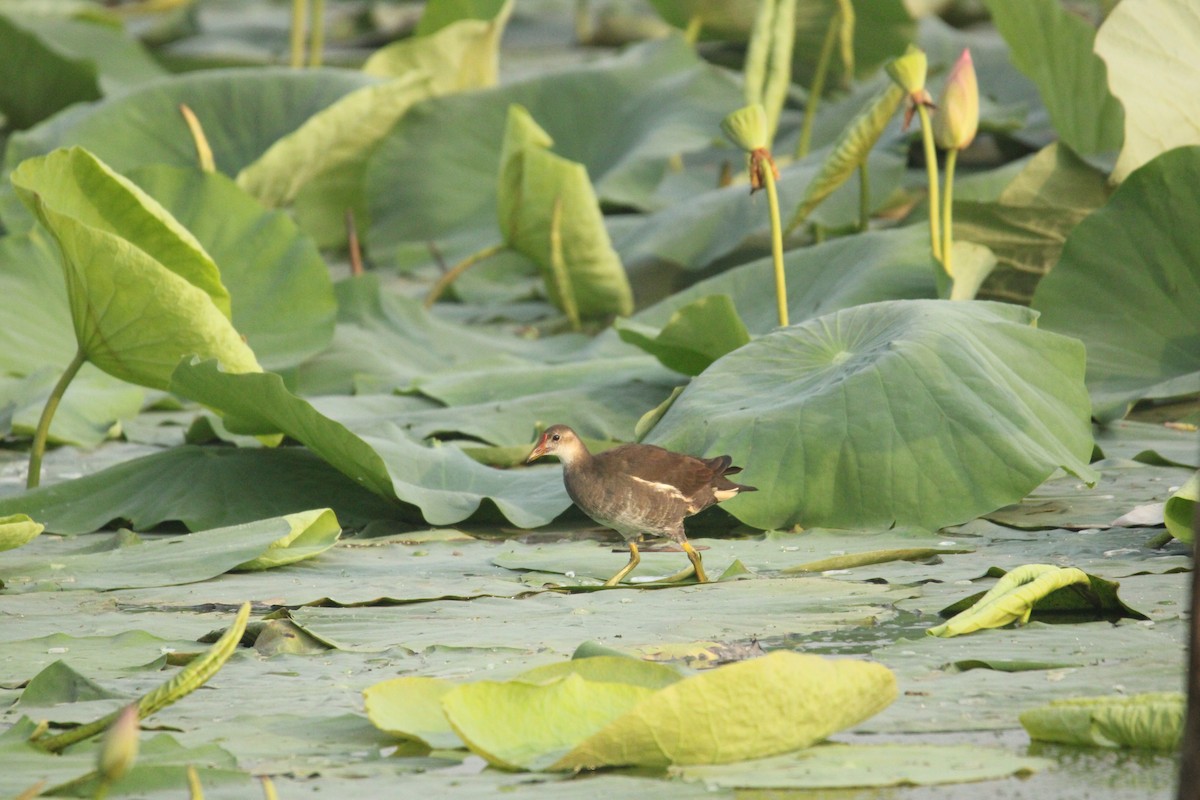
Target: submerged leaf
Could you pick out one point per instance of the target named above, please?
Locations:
(1142, 721)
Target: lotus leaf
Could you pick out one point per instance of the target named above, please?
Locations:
(890, 413)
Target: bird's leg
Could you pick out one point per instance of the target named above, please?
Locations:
(695, 559)
(634, 558)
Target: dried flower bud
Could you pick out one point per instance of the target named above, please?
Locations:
(119, 748)
(909, 70)
(747, 128)
(957, 119)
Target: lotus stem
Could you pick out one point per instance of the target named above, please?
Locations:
(948, 213)
(758, 53)
(452, 274)
(316, 41)
(767, 170)
(352, 244)
(818, 87)
(864, 197)
(931, 168)
(691, 34)
(204, 153)
(299, 23)
(268, 787)
(195, 789)
(38, 450)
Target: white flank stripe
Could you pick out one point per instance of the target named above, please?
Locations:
(665, 488)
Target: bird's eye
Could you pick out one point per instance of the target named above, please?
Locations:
(555, 437)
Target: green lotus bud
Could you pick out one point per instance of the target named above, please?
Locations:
(747, 128)
(908, 71)
(119, 749)
(957, 118)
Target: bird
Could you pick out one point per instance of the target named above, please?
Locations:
(640, 489)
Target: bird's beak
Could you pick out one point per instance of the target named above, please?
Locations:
(537, 452)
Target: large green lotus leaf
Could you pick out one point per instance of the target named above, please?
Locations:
(17, 530)
(890, 413)
(144, 126)
(542, 196)
(518, 725)
(1142, 721)
(1141, 44)
(847, 766)
(844, 272)
(1180, 510)
(444, 13)
(410, 707)
(58, 683)
(283, 300)
(48, 62)
(1053, 47)
(1133, 305)
(693, 234)
(384, 341)
(1027, 224)
(750, 709)
(169, 561)
(446, 484)
(161, 767)
(201, 488)
(73, 183)
(35, 319)
(621, 118)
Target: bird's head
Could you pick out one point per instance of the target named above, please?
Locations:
(558, 440)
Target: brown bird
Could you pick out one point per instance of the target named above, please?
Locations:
(638, 489)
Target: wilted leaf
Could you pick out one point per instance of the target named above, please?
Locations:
(890, 413)
(312, 533)
(1142, 721)
(850, 151)
(1012, 599)
(18, 529)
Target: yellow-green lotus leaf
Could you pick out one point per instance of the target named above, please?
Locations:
(750, 709)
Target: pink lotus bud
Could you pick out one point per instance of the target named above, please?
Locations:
(119, 748)
(957, 117)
